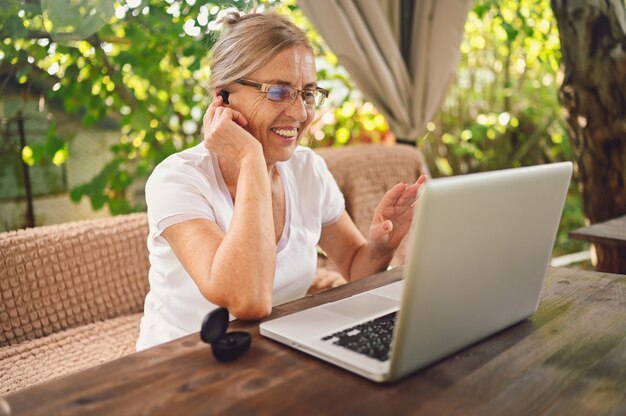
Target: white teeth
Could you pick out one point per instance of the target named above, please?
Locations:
(286, 133)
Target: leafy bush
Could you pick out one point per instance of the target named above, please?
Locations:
(145, 66)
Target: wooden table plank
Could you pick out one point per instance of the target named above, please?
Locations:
(539, 368)
(608, 232)
(609, 239)
(569, 356)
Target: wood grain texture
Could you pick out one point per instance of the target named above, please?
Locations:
(609, 238)
(568, 358)
(607, 232)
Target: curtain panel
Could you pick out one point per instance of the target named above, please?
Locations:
(365, 36)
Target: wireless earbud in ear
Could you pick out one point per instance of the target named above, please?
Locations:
(224, 94)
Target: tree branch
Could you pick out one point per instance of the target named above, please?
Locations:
(126, 94)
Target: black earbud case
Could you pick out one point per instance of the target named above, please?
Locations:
(226, 346)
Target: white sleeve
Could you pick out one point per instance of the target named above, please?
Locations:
(173, 195)
(332, 201)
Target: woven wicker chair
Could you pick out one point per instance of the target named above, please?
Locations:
(71, 295)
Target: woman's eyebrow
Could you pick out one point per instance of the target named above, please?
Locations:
(310, 85)
(278, 82)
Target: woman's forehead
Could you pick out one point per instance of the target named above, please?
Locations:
(289, 66)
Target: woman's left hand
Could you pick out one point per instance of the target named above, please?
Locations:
(393, 216)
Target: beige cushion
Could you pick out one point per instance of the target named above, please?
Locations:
(63, 276)
(66, 352)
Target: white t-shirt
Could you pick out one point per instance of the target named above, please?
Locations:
(190, 185)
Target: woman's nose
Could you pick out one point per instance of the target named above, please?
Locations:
(297, 109)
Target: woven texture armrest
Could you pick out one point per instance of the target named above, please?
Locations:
(43, 359)
(57, 277)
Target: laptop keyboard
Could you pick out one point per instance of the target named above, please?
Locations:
(372, 338)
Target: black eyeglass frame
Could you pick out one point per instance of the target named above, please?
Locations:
(265, 88)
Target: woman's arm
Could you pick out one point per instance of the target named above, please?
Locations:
(357, 257)
(236, 269)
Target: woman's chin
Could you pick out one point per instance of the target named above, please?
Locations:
(281, 151)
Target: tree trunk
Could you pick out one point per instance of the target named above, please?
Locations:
(593, 96)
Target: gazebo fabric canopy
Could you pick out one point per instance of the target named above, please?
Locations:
(365, 36)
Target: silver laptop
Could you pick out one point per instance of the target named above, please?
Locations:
(478, 253)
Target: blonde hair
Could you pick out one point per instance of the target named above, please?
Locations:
(247, 42)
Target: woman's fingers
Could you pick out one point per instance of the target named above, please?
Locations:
(209, 115)
(238, 118)
(218, 118)
(406, 199)
(418, 184)
(393, 214)
(217, 103)
(402, 194)
(392, 195)
(409, 196)
(216, 108)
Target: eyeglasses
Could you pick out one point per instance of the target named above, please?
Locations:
(281, 93)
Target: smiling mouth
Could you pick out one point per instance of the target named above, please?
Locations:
(286, 133)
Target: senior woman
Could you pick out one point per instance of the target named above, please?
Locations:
(235, 220)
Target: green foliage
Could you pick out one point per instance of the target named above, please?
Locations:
(55, 148)
(146, 68)
(503, 109)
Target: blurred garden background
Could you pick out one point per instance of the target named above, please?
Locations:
(87, 110)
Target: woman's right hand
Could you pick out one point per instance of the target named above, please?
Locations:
(224, 132)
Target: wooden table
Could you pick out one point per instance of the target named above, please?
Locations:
(610, 240)
(607, 232)
(569, 358)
